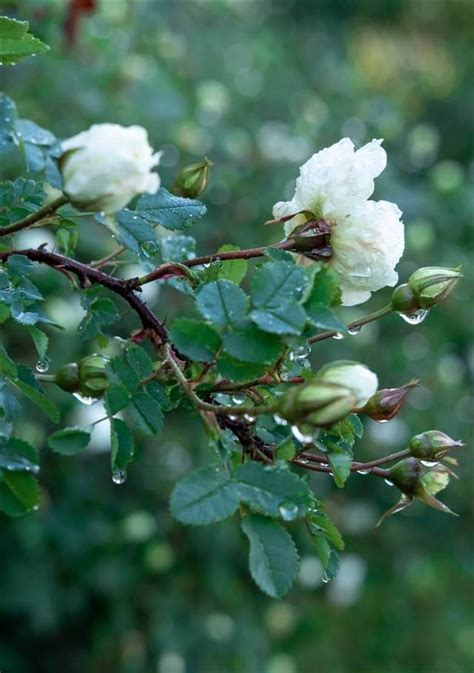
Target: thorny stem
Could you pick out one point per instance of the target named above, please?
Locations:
(216, 257)
(38, 215)
(352, 325)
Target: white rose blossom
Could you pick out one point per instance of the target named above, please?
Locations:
(367, 237)
(358, 378)
(104, 167)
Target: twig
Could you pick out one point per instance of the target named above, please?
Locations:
(353, 325)
(38, 215)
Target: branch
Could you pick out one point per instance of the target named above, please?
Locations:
(87, 274)
(353, 325)
(38, 215)
(215, 257)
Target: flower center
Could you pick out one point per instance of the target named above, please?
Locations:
(313, 239)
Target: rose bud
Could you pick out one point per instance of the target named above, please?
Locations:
(92, 376)
(104, 167)
(432, 445)
(386, 403)
(193, 180)
(360, 380)
(316, 403)
(431, 285)
(403, 300)
(414, 481)
(67, 378)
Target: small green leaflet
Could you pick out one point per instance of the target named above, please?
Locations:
(147, 413)
(195, 339)
(205, 496)
(249, 344)
(18, 455)
(277, 283)
(16, 42)
(70, 441)
(122, 447)
(19, 493)
(222, 302)
(234, 269)
(101, 312)
(168, 210)
(273, 559)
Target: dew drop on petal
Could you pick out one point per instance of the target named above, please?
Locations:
(414, 318)
(119, 476)
(288, 510)
(42, 365)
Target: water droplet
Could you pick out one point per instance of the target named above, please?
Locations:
(206, 265)
(238, 399)
(279, 420)
(429, 463)
(302, 352)
(288, 510)
(382, 420)
(301, 436)
(360, 271)
(249, 418)
(388, 482)
(414, 318)
(353, 331)
(232, 417)
(42, 365)
(119, 476)
(325, 578)
(363, 471)
(338, 336)
(89, 401)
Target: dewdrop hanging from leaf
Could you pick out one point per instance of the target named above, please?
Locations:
(106, 166)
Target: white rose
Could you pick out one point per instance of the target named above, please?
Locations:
(105, 167)
(367, 237)
(359, 379)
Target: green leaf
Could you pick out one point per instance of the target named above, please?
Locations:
(340, 463)
(139, 360)
(16, 42)
(168, 210)
(235, 370)
(70, 441)
(272, 490)
(7, 366)
(147, 413)
(273, 558)
(277, 283)
(325, 289)
(40, 340)
(38, 398)
(17, 454)
(116, 398)
(323, 550)
(119, 371)
(321, 523)
(19, 493)
(122, 447)
(222, 302)
(324, 318)
(4, 313)
(357, 425)
(19, 198)
(287, 319)
(233, 269)
(101, 312)
(195, 339)
(178, 248)
(19, 265)
(205, 496)
(250, 344)
(8, 118)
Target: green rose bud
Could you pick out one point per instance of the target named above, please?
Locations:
(193, 180)
(431, 285)
(67, 378)
(316, 403)
(403, 299)
(406, 475)
(92, 377)
(432, 445)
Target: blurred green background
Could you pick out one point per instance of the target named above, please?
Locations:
(101, 579)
